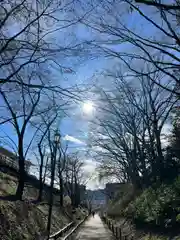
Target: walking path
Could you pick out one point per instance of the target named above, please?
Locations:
(94, 229)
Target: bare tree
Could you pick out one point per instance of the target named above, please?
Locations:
(42, 145)
(132, 45)
(160, 5)
(30, 56)
(28, 105)
(73, 178)
(128, 131)
(61, 166)
(27, 40)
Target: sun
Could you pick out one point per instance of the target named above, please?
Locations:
(88, 107)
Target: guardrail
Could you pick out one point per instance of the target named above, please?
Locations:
(65, 229)
(62, 231)
(117, 231)
(69, 235)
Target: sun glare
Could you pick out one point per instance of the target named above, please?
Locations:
(88, 107)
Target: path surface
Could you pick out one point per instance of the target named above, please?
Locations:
(94, 229)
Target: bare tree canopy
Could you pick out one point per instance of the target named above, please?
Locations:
(152, 39)
(128, 131)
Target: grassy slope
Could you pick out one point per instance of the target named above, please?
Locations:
(25, 220)
(152, 207)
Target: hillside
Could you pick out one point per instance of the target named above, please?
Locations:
(153, 210)
(26, 219)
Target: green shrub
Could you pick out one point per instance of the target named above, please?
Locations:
(178, 218)
(157, 204)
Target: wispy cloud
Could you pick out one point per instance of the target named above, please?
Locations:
(73, 139)
(91, 174)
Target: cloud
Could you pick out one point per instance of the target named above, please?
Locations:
(90, 170)
(89, 165)
(166, 131)
(73, 139)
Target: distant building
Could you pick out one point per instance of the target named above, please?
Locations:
(96, 198)
(9, 159)
(112, 189)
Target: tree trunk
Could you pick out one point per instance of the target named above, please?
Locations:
(21, 180)
(53, 164)
(72, 189)
(160, 157)
(72, 195)
(76, 194)
(135, 174)
(61, 190)
(45, 171)
(40, 184)
(40, 175)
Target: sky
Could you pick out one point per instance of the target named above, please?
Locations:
(74, 128)
(85, 73)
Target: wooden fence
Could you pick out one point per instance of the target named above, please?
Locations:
(61, 231)
(116, 230)
(66, 229)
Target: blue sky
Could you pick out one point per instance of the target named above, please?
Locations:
(75, 126)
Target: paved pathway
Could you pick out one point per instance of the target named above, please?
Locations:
(94, 229)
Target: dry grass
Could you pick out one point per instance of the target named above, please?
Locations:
(24, 220)
(7, 184)
(20, 220)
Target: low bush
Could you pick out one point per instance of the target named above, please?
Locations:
(160, 206)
